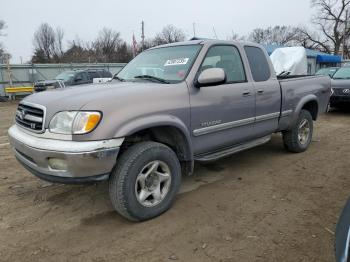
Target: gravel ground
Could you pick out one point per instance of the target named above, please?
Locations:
(264, 204)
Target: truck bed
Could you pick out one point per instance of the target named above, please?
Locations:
(296, 90)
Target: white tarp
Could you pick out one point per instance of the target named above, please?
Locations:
(290, 61)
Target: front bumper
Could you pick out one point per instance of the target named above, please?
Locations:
(84, 161)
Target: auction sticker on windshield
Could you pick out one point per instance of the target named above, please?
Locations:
(177, 61)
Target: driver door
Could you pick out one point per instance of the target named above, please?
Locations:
(222, 115)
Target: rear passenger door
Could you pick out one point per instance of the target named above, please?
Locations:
(222, 115)
(267, 92)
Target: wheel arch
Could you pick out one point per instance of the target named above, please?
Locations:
(168, 130)
(309, 103)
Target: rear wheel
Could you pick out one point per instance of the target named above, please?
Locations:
(299, 137)
(145, 181)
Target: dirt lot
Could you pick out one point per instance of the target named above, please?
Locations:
(260, 205)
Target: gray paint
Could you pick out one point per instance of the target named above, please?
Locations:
(241, 111)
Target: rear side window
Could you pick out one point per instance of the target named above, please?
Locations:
(258, 63)
(93, 74)
(106, 73)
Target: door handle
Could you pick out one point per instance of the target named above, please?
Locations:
(246, 93)
(260, 92)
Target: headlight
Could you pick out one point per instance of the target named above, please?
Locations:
(332, 91)
(74, 122)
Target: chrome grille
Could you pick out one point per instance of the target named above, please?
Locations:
(30, 117)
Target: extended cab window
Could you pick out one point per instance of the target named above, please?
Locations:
(258, 63)
(227, 58)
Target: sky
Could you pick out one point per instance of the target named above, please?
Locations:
(84, 18)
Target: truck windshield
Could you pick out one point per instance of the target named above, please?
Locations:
(164, 65)
(342, 73)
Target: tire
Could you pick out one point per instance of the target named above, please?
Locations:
(292, 140)
(129, 182)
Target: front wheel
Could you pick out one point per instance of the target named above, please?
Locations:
(299, 137)
(145, 181)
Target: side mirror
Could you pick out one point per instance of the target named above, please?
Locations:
(211, 76)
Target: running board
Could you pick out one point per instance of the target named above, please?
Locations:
(232, 150)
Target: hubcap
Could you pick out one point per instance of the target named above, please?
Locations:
(153, 183)
(304, 131)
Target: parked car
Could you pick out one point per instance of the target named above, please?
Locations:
(143, 132)
(328, 71)
(342, 235)
(341, 88)
(72, 78)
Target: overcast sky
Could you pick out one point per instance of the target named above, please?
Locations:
(84, 18)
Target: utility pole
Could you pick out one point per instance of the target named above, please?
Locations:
(143, 35)
(345, 32)
(8, 67)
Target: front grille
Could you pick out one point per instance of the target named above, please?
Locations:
(30, 117)
(340, 91)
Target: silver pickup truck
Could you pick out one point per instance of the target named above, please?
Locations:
(170, 106)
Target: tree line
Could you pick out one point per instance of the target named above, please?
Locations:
(108, 47)
(329, 33)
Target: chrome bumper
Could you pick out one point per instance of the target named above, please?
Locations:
(83, 160)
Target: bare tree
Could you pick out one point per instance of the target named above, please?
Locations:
(58, 44)
(78, 52)
(48, 44)
(330, 21)
(277, 35)
(106, 45)
(235, 36)
(169, 34)
(44, 41)
(2, 27)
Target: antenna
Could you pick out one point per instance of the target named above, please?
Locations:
(194, 29)
(215, 35)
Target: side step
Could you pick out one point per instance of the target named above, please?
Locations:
(232, 150)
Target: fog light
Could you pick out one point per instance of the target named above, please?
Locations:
(58, 164)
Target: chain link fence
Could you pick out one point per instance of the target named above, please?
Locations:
(27, 74)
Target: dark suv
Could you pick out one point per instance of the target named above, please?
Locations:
(341, 88)
(71, 78)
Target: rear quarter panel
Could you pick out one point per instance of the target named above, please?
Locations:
(296, 92)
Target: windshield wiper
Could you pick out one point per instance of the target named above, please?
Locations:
(152, 78)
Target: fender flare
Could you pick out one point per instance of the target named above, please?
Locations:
(146, 122)
(301, 104)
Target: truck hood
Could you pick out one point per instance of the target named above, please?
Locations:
(79, 97)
